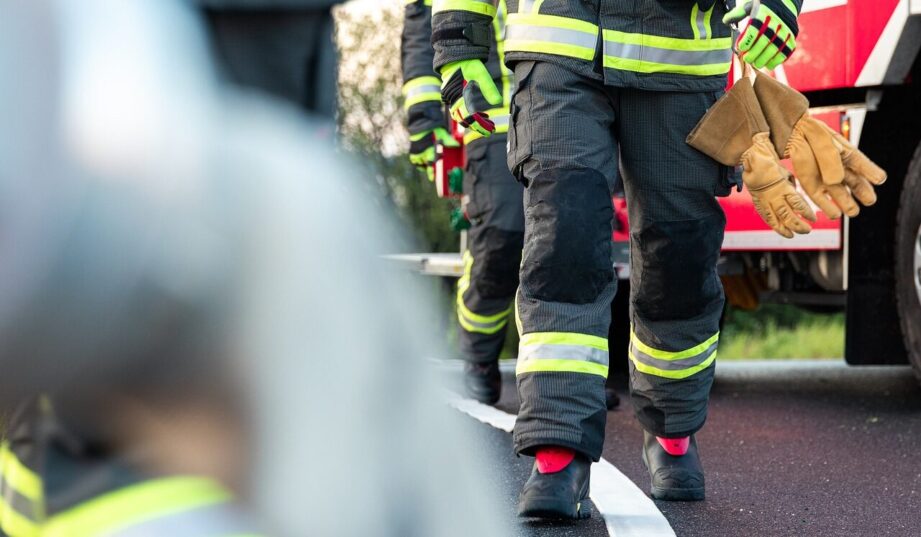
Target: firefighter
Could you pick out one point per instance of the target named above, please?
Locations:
(492, 198)
(602, 84)
(282, 47)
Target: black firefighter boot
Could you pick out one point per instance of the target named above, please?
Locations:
(483, 382)
(674, 478)
(559, 495)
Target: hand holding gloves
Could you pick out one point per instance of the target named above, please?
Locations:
(769, 38)
(465, 84)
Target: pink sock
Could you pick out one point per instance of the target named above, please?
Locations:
(675, 446)
(551, 460)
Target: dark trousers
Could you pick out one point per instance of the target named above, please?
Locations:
(569, 135)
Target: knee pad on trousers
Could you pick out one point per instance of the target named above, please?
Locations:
(675, 268)
(568, 219)
(497, 259)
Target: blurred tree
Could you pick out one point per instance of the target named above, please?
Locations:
(371, 119)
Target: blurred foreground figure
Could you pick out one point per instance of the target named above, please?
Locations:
(192, 281)
(283, 47)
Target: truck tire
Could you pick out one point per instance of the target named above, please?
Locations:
(908, 262)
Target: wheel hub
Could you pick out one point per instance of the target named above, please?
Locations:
(917, 265)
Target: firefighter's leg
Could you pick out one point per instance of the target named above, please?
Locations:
(676, 234)
(562, 148)
(486, 291)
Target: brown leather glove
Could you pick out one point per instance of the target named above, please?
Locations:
(830, 169)
(735, 131)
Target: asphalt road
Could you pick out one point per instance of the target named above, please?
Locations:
(790, 448)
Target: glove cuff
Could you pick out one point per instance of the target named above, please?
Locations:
(782, 9)
(783, 107)
(726, 130)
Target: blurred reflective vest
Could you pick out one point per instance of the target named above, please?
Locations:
(666, 45)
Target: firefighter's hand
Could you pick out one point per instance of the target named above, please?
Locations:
(463, 85)
(769, 38)
(771, 187)
(422, 153)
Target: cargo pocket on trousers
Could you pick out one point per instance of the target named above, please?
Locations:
(476, 188)
(519, 135)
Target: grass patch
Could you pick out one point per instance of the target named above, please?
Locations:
(781, 332)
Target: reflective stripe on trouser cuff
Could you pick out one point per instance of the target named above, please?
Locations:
(562, 352)
(654, 54)
(14, 523)
(672, 365)
(420, 90)
(474, 322)
(17, 476)
(119, 510)
(482, 7)
(499, 116)
(549, 34)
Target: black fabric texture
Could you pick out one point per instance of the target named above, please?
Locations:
(569, 212)
(561, 409)
(671, 408)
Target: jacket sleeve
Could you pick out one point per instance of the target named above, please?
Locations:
(462, 30)
(421, 84)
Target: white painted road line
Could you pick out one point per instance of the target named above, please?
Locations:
(627, 510)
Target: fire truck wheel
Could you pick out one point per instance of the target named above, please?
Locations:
(908, 262)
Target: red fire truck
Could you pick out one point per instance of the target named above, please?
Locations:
(858, 63)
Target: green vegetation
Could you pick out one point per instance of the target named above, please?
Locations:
(781, 332)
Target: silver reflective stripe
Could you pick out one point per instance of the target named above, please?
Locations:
(526, 32)
(673, 365)
(25, 507)
(525, 6)
(702, 24)
(647, 53)
(213, 521)
(419, 90)
(579, 353)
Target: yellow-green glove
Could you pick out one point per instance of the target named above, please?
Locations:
(769, 38)
(461, 83)
(422, 152)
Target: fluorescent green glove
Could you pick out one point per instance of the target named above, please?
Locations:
(422, 148)
(769, 38)
(461, 82)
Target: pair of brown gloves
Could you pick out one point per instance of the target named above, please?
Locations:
(758, 121)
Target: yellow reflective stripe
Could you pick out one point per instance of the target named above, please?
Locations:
(564, 338)
(470, 327)
(695, 11)
(639, 66)
(14, 524)
(23, 480)
(670, 43)
(421, 81)
(481, 7)
(134, 505)
(499, 25)
(707, 16)
(670, 374)
(562, 366)
(484, 319)
(550, 34)
(536, 8)
(421, 90)
(426, 2)
(517, 316)
(669, 355)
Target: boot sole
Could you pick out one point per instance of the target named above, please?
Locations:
(677, 495)
(552, 508)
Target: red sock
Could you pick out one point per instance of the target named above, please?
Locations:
(675, 446)
(552, 459)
